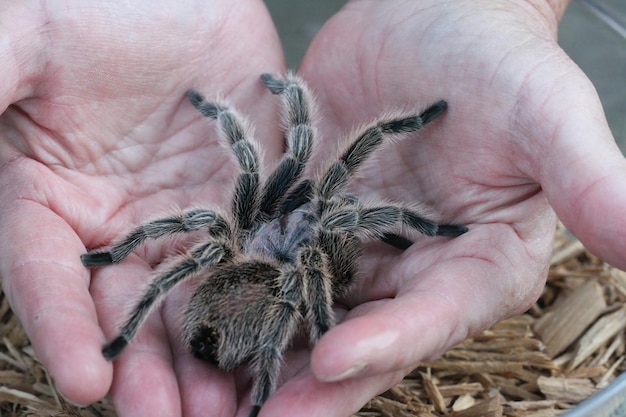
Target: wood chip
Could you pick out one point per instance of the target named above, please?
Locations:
(566, 389)
(530, 405)
(598, 335)
(433, 392)
(564, 254)
(490, 407)
(561, 326)
(464, 402)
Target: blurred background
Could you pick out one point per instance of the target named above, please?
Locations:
(593, 33)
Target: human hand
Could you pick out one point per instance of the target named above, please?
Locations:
(97, 136)
(524, 127)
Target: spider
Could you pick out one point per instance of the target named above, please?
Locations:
(287, 250)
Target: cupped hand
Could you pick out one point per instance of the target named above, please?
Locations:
(524, 129)
(96, 135)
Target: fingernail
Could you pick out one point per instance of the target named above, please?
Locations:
(375, 346)
(348, 373)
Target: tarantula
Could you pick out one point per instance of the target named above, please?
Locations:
(287, 250)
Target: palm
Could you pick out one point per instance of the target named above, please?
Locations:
(106, 140)
(482, 164)
(471, 165)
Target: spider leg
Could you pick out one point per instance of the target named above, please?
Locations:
(199, 257)
(235, 131)
(381, 221)
(337, 175)
(297, 115)
(280, 327)
(397, 241)
(318, 292)
(187, 221)
(300, 195)
(303, 193)
(342, 251)
(309, 283)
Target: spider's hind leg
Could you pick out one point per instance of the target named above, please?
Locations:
(281, 323)
(307, 284)
(318, 291)
(199, 257)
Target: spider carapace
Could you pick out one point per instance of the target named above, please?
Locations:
(288, 248)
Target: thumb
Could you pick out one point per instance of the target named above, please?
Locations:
(582, 171)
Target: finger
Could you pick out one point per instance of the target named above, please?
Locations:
(458, 295)
(48, 289)
(19, 52)
(144, 383)
(144, 380)
(305, 396)
(205, 390)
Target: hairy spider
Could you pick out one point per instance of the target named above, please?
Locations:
(288, 249)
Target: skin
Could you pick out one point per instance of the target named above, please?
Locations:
(97, 136)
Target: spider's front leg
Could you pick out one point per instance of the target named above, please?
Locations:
(235, 131)
(368, 141)
(379, 222)
(298, 113)
(188, 221)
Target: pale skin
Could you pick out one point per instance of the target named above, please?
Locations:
(100, 137)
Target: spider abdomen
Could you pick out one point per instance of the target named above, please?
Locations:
(225, 307)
